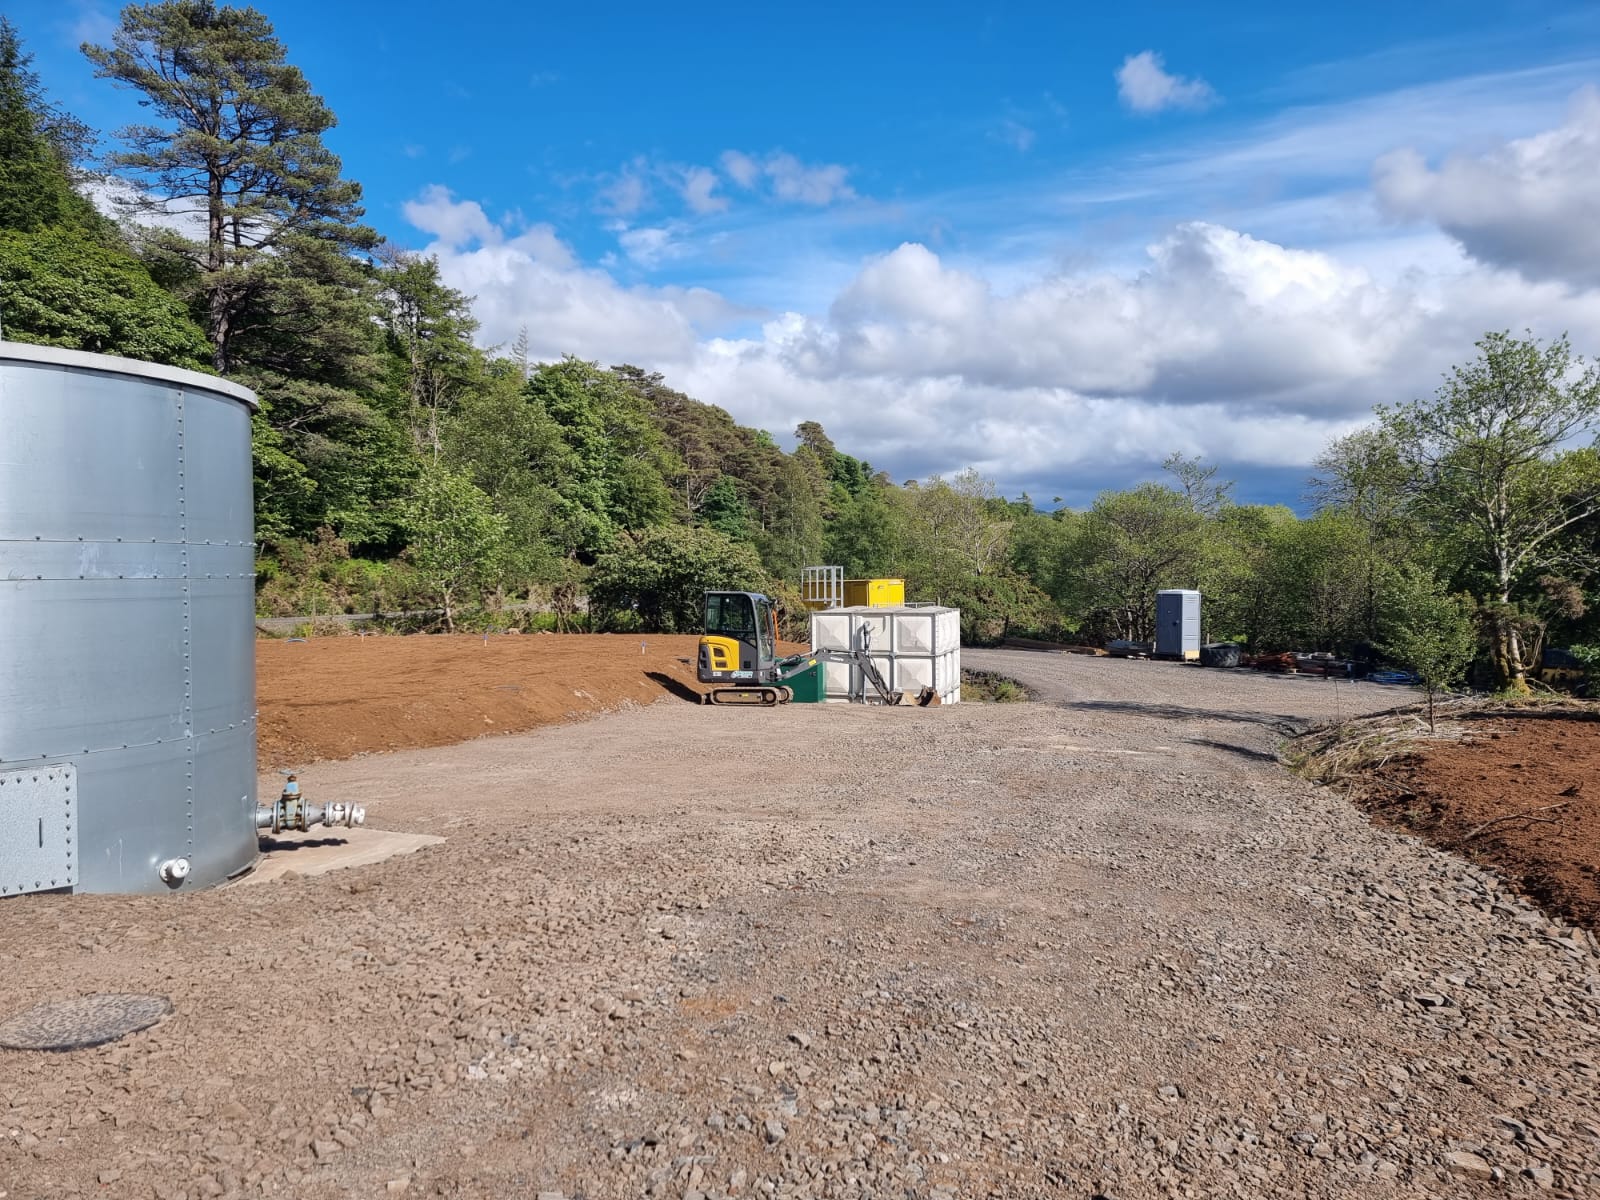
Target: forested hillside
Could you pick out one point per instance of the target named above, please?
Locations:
(399, 465)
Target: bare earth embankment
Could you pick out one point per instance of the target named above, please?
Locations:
(1516, 789)
(334, 697)
(1097, 945)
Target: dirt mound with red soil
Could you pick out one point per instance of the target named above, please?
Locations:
(340, 696)
(336, 697)
(1520, 794)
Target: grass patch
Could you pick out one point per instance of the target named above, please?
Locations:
(1352, 755)
(985, 687)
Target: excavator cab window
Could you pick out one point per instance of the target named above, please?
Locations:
(731, 614)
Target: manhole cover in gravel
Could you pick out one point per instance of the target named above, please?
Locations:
(86, 1021)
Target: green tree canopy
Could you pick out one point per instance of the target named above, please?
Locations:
(1130, 545)
(429, 328)
(660, 576)
(38, 145)
(66, 279)
(613, 472)
(1428, 630)
(456, 536)
(60, 288)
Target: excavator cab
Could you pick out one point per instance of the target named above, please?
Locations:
(740, 649)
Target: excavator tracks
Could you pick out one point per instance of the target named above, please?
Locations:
(764, 696)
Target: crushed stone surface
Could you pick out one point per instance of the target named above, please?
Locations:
(1100, 944)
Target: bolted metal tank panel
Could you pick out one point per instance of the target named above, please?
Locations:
(127, 603)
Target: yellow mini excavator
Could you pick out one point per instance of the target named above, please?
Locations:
(739, 655)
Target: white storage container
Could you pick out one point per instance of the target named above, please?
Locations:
(836, 679)
(913, 648)
(841, 680)
(874, 629)
(941, 672)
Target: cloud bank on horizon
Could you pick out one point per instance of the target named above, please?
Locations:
(1087, 325)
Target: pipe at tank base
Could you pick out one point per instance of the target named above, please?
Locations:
(347, 815)
(174, 871)
(294, 813)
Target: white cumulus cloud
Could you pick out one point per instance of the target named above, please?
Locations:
(698, 186)
(1531, 204)
(650, 246)
(1145, 85)
(1217, 340)
(1214, 315)
(788, 179)
(452, 222)
(1249, 352)
(529, 277)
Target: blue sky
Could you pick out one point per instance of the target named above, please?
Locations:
(1054, 241)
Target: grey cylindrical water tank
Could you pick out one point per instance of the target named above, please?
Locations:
(127, 657)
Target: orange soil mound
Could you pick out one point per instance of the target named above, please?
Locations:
(340, 696)
(1520, 794)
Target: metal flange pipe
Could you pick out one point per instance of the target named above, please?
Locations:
(292, 812)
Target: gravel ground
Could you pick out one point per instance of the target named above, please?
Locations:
(1096, 945)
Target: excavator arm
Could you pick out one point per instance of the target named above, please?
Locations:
(788, 668)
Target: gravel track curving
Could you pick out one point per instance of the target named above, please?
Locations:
(1096, 945)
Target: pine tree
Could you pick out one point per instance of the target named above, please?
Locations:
(429, 327)
(239, 149)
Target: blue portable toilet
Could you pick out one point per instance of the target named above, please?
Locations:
(1178, 624)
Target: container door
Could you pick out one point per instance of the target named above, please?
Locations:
(1191, 621)
(1169, 637)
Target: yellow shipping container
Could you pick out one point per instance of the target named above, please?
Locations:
(874, 593)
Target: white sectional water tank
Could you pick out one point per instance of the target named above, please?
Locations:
(913, 647)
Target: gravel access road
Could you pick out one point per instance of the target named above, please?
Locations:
(1098, 945)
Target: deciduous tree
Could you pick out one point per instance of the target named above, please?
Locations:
(1428, 630)
(660, 575)
(1198, 479)
(1494, 458)
(1130, 544)
(456, 536)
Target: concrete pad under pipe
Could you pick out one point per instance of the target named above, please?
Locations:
(319, 851)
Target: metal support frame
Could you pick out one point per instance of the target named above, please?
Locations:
(822, 587)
